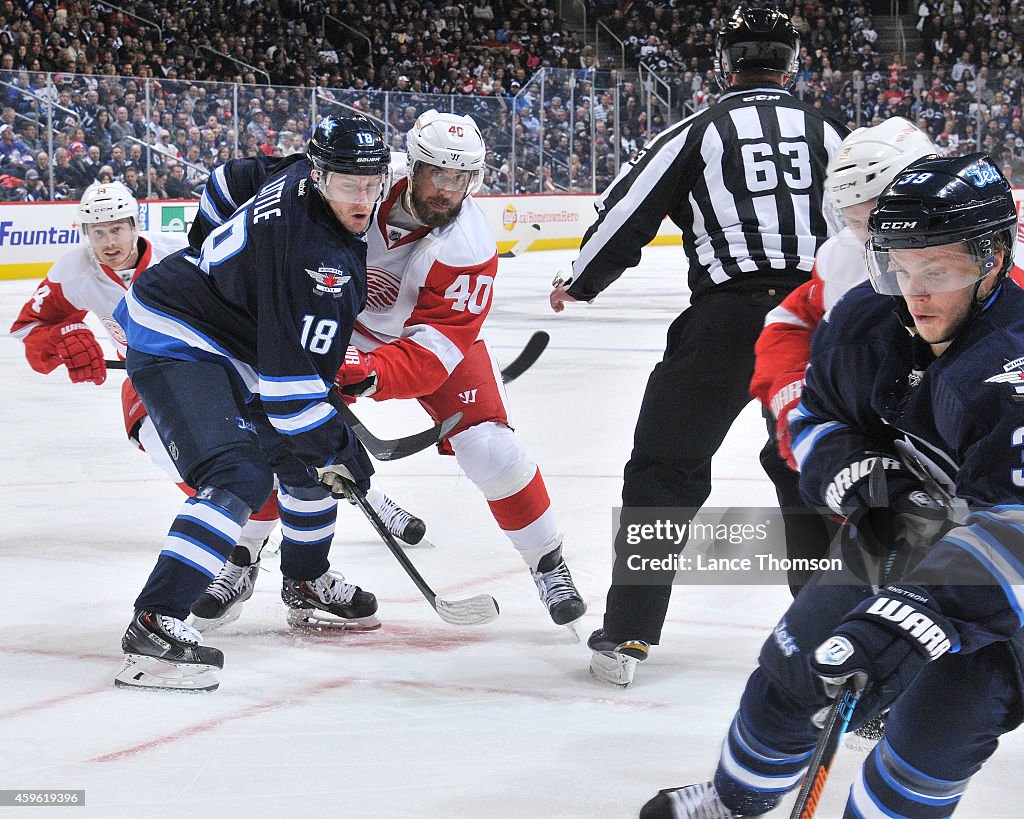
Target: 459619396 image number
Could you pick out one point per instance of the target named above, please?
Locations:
(15, 798)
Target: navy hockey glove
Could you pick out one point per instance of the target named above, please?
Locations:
(883, 644)
(357, 375)
(888, 530)
(849, 491)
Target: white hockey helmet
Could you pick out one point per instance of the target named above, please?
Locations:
(449, 141)
(870, 158)
(107, 202)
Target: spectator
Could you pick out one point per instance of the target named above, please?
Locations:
(176, 187)
(35, 187)
(15, 155)
(77, 175)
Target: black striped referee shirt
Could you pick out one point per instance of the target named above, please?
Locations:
(743, 180)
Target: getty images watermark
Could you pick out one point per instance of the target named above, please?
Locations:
(715, 546)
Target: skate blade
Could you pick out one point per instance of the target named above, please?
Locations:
(154, 674)
(315, 620)
(574, 629)
(855, 742)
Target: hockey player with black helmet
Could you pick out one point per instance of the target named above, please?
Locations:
(939, 410)
(230, 186)
(744, 181)
(233, 350)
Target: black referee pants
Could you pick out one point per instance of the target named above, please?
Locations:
(693, 396)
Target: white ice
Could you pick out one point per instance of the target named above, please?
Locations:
(417, 719)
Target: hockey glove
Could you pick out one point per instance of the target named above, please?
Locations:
(785, 396)
(888, 530)
(883, 644)
(338, 479)
(77, 348)
(356, 376)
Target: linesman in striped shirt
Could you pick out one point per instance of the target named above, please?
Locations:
(744, 181)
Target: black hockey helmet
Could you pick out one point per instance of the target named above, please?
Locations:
(348, 145)
(756, 40)
(963, 200)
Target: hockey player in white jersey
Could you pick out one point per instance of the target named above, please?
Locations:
(93, 278)
(431, 263)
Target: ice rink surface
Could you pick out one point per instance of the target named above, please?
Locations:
(419, 718)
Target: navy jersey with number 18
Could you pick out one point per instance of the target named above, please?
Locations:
(272, 296)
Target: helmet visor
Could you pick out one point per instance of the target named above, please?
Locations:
(451, 179)
(926, 271)
(352, 189)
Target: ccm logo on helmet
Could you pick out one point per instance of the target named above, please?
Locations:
(897, 225)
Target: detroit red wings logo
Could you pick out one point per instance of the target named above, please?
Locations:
(382, 288)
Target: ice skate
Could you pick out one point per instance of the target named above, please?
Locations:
(557, 591)
(689, 802)
(402, 524)
(162, 652)
(329, 602)
(868, 735)
(614, 662)
(222, 601)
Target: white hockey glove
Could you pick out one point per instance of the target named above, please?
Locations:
(338, 479)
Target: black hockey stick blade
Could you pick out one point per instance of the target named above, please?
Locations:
(527, 358)
(115, 364)
(836, 722)
(395, 448)
(473, 611)
(520, 246)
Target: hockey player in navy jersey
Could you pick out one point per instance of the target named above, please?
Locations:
(432, 262)
(939, 411)
(234, 351)
(230, 186)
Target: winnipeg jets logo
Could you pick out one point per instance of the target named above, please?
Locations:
(329, 280)
(1012, 374)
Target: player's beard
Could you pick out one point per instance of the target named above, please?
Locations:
(431, 218)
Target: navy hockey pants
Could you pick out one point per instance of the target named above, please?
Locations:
(228, 451)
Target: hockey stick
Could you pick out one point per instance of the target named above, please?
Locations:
(836, 721)
(395, 448)
(473, 611)
(382, 449)
(527, 358)
(520, 246)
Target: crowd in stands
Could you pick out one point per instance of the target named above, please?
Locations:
(157, 94)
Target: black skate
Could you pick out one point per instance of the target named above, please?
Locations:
(162, 652)
(557, 591)
(689, 802)
(222, 601)
(329, 602)
(613, 661)
(402, 524)
(868, 735)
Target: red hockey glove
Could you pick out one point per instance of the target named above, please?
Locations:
(78, 349)
(785, 396)
(356, 376)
